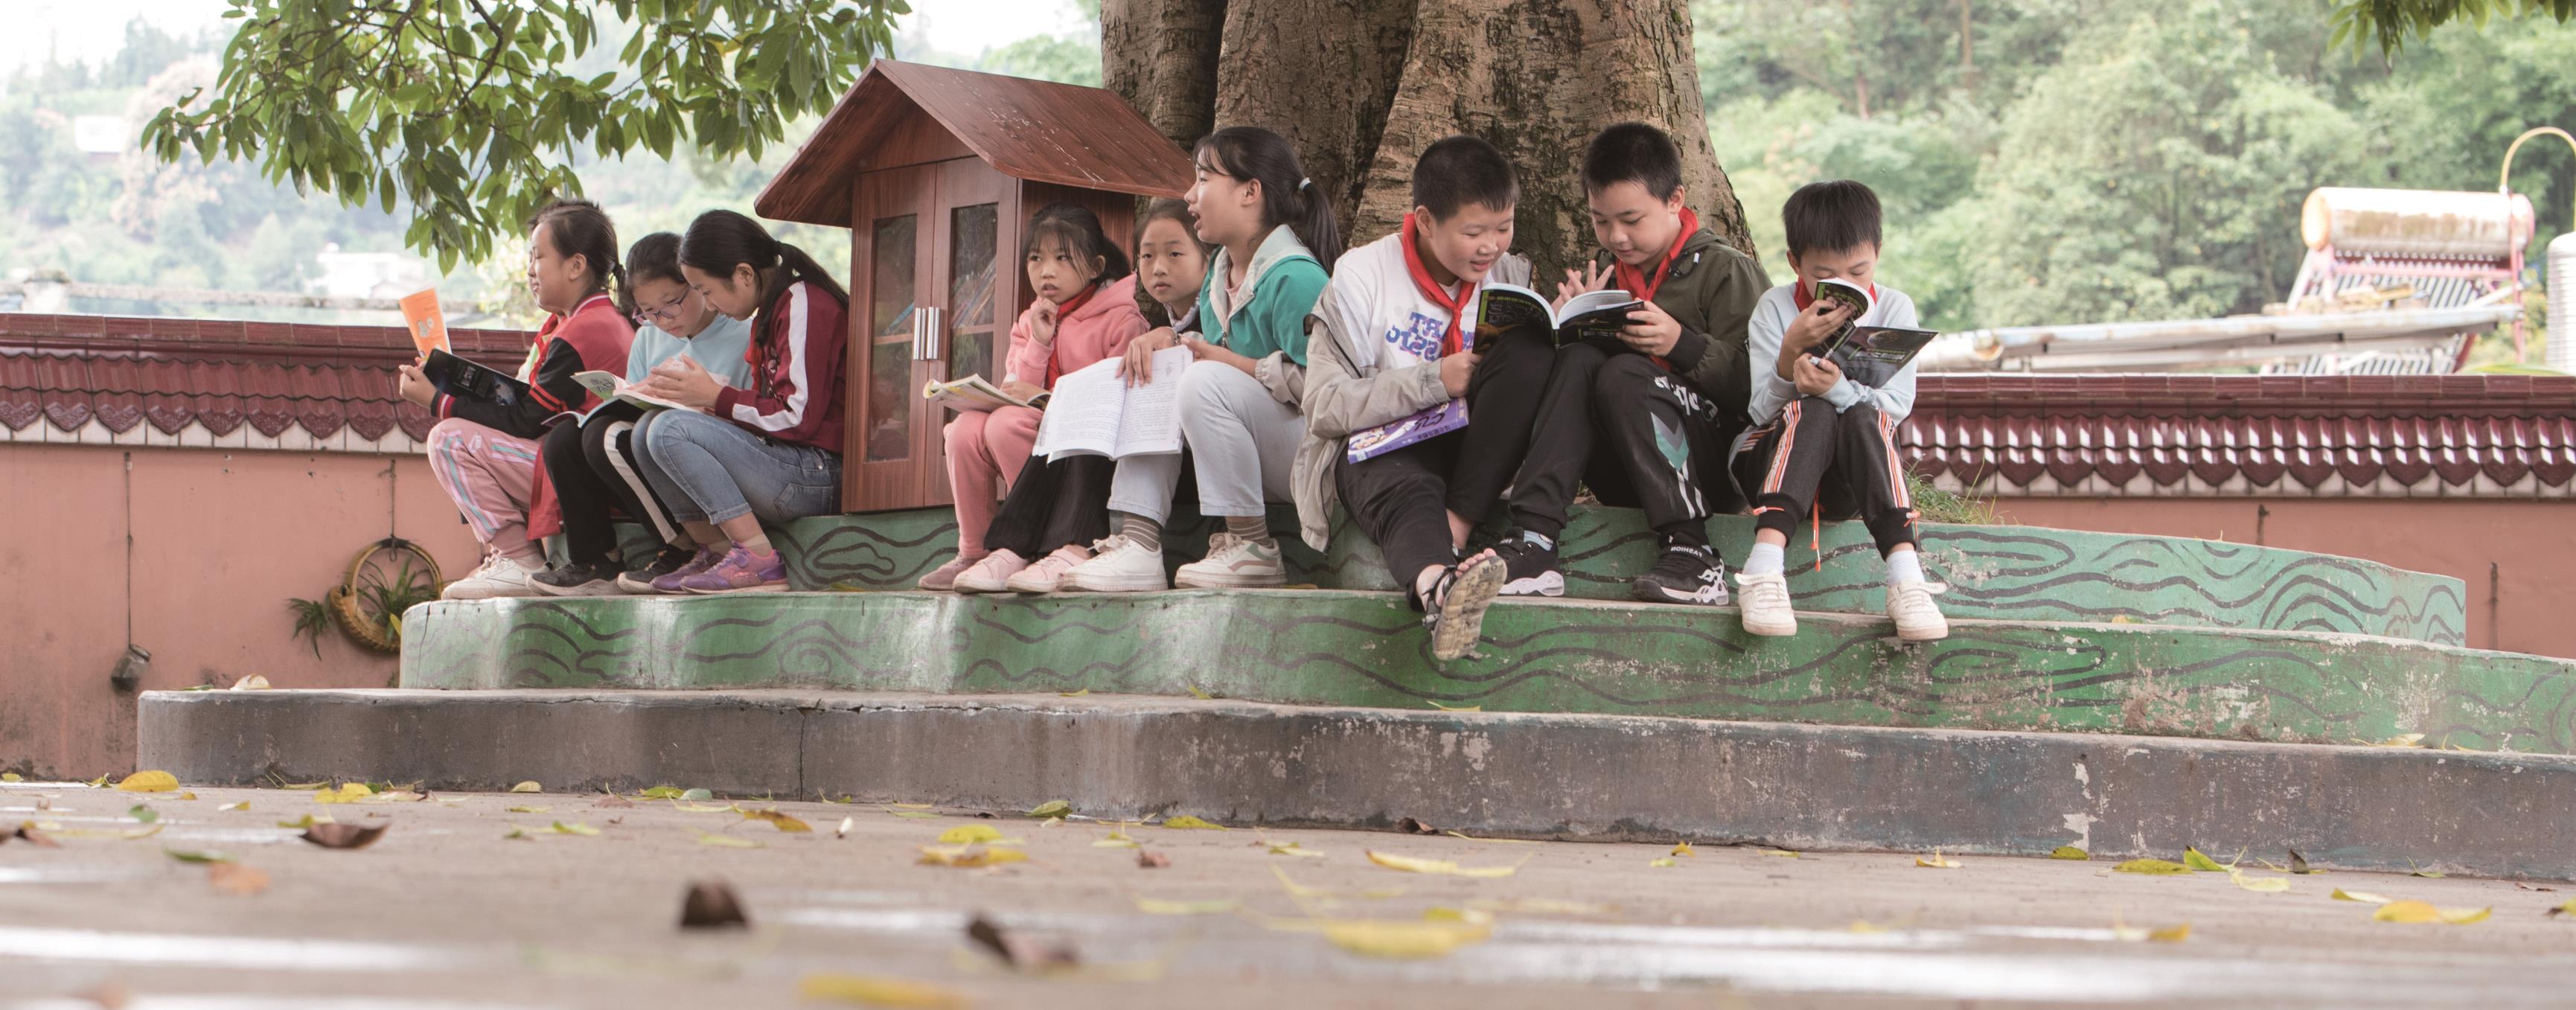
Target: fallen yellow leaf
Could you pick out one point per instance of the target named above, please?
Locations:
(1294, 849)
(2201, 863)
(1051, 808)
(968, 834)
(1544, 906)
(1117, 842)
(913, 806)
(306, 821)
(1660, 862)
(150, 782)
(872, 990)
(726, 841)
(1782, 853)
(562, 828)
(243, 805)
(1400, 939)
(2154, 867)
(2175, 933)
(11, 777)
(1937, 862)
(529, 810)
(2069, 852)
(1190, 823)
(1084, 693)
(1442, 867)
(1161, 906)
(702, 808)
(2361, 896)
(350, 793)
(2411, 911)
(187, 796)
(2401, 740)
(1455, 708)
(529, 786)
(1684, 849)
(2266, 885)
(778, 820)
(969, 856)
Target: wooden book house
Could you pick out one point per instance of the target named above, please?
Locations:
(934, 171)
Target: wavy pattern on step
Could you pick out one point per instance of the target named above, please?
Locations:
(1995, 572)
(1354, 648)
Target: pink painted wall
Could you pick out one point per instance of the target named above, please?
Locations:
(220, 540)
(2515, 556)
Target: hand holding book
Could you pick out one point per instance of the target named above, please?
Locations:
(681, 380)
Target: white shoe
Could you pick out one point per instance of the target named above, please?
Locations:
(1235, 563)
(1047, 573)
(1918, 619)
(1765, 600)
(498, 577)
(992, 574)
(1121, 566)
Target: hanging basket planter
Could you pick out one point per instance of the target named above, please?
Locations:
(385, 578)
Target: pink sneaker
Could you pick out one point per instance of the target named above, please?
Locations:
(707, 558)
(741, 572)
(1048, 572)
(992, 574)
(944, 578)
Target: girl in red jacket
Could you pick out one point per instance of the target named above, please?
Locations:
(1085, 312)
(771, 452)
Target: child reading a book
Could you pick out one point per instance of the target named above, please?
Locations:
(1084, 312)
(770, 450)
(484, 453)
(1057, 510)
(1398, 337)
(1239, 398)
(1648, 423)
(1823, 440)
(592, 464)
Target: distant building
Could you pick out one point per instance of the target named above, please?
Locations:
(103, 139)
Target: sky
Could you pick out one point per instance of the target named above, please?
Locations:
(91, 30)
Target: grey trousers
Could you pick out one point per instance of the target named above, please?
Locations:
(1244, 440)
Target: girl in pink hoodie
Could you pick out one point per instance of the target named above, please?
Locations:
(1085, 311)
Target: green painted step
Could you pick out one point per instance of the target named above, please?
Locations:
(2010, 573)
(1334, 647)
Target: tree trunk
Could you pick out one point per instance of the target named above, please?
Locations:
(1161, 56)
(1362, 86)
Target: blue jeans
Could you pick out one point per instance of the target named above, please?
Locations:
(712, 470)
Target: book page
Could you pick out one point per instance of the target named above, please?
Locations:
(1151, 425)
(1083, 417)
(1593, 301)
(601, 384)
(1504, 309)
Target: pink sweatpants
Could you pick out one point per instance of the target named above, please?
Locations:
(492, 478)
(981, 448)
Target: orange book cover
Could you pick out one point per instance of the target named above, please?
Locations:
(428, 325)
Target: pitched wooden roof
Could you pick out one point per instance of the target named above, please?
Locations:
(1035, 130)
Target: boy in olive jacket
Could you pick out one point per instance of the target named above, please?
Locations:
(1649, 423)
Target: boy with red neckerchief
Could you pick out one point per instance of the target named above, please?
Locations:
(1649, 428)
(1824, 441)
(1397, 338)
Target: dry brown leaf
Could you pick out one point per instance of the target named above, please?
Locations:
(711, 904)
(1018, 951)
(1152, 860)
(29, 834)
(969, 857)
(333, 835)
(778, 820)
(236, 879)
(108, 995)
(1410, 826)
(612, 801)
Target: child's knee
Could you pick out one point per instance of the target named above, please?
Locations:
(965, 434)
(1625, 373)
(452, 431)
(1207, 389)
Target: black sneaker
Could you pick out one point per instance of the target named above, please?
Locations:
(598, 578)
(1529, 569)
(1684, 574)
(640, 581)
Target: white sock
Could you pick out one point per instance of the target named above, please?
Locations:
(1766, 559)
(1904, 566)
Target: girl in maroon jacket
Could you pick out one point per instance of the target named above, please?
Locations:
(771, 452)
(485, 454)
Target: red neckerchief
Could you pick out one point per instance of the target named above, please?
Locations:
(1452, 341)
(1063, 312)
(1635, 281)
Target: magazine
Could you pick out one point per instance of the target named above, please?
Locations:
(1873, 350)
(1420, 426)
(610, 388)
(1094, 412)
(465, 380)
(975, 393)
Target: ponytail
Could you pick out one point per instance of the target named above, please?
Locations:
(720, 240)
(1288, 197)
(579, 228)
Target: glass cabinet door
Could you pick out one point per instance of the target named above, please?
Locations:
(975, 343)
(893, 314)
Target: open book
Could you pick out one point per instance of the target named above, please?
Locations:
(1596, 316)
(465, 380)
(609, 388)
(974, 393)
(1094, 412)
(1873, 350)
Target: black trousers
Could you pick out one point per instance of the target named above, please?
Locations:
(592, 467)
(1840, 465)
(1053, 504)
(1638, 435)
(1402, 500)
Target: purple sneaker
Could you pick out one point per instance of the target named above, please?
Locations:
(741, 572)
(707, 558)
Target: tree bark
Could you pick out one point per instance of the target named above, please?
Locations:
(1362, 86)
(1161, 55)
(1538, 78)
(1321, 73)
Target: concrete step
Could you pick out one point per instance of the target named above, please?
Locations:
(1333, 647)
(2017, 573)
(1482, 773)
